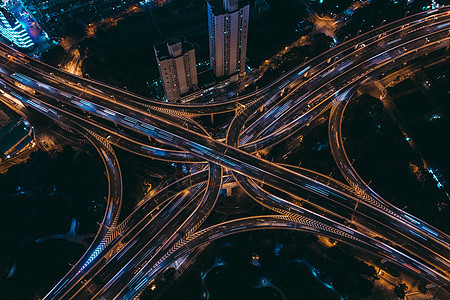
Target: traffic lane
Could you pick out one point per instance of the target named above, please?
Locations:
(283, 114)
(288, 208)
(344, 163)
(382, 224)
(112, 209)
(277, 182)
(143, 215)
(155, 152)
(242, 225)
(189, 224)
(258, 173)
(45, 84)
(335, 69)
(384, 29)
(141, 149)
(261, 146)
(148, 239)
(135, 263)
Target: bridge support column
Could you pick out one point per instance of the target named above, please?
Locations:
(229, 187)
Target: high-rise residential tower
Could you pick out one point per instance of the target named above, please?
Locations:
(228, 31)
(177, 67)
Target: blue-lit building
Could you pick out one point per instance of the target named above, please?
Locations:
(13, 31)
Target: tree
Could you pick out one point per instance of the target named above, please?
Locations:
(422, 288)
(55, 56)
(321, 43)
(400, 290)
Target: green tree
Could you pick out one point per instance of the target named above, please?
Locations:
(400, 290)
(55, 56)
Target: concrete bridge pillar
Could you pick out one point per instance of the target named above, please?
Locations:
(229, 187)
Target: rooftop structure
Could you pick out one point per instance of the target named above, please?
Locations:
(14, 137)
(13, 31)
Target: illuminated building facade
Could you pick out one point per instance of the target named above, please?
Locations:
(177, 67)
(13, 31)
(228, 31)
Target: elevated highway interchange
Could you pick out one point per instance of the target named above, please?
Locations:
(268, 116)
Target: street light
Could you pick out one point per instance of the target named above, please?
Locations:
(407, 12)
(382, 22)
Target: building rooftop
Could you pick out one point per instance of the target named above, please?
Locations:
(172, 48)
(8, 16)
(218, 6)
(12, 134)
